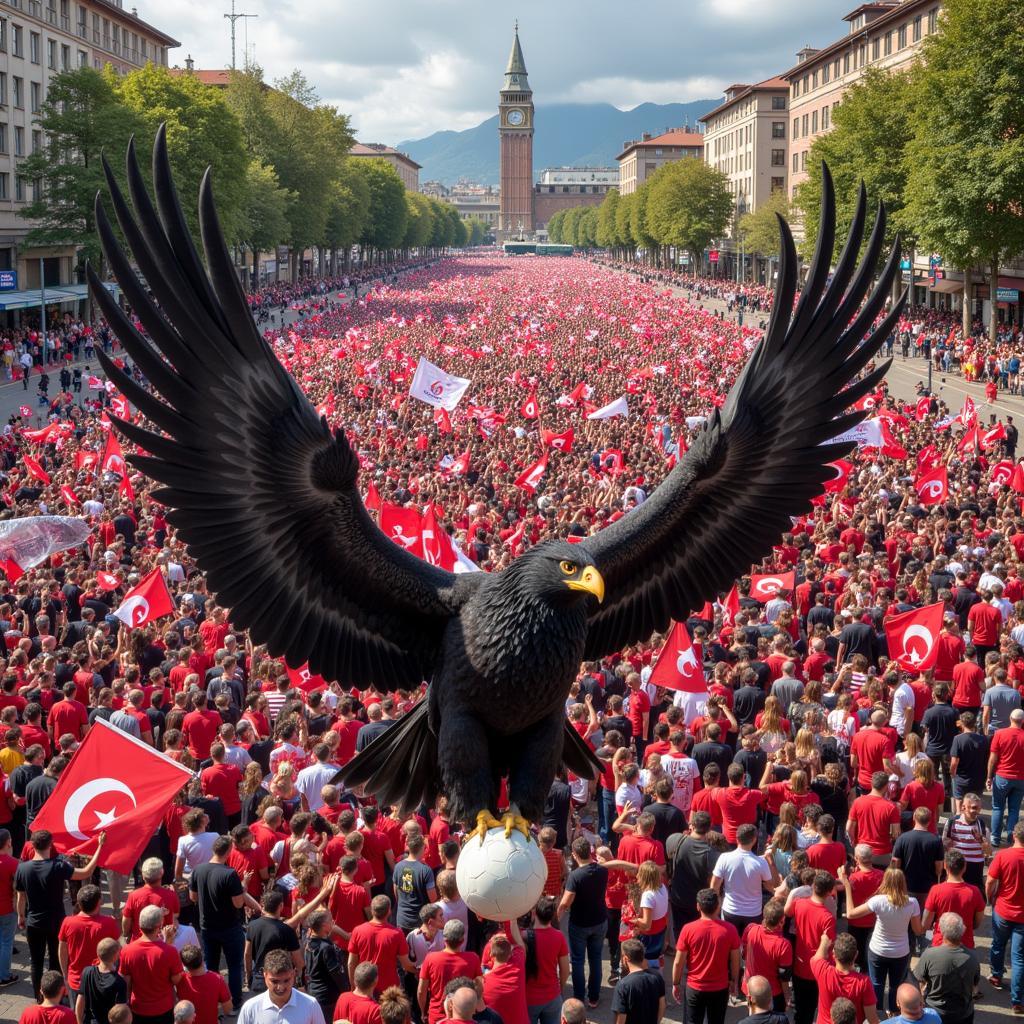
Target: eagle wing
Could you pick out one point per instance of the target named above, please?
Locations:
(260, 489)
(764, 455)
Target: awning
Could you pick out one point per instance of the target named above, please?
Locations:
(61, 295)
(945, 285)
(1011, 282)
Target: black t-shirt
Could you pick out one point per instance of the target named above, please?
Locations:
(412, 880)
(918, 851)
(556, 811)
(620, 724)
(102, 992)
(768, 1017)
(940, 722)
(971, 751)
(370, 732)
(691, 869)
(324, 979)
(42, 881)
(834, 800)
(589, 883)
(37, 792)
(859, 639)
(668, 820)
(265, 934)
(637, 995)
(712, 753)
(216, 885)
(753, 763)
(746, 703)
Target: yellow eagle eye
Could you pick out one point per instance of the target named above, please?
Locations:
(569, 568)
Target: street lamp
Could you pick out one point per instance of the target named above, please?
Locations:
(741, 209)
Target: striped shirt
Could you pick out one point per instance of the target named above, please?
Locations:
(967, 838)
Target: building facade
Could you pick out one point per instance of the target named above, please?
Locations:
(37, 41)
(562, 188)
(407, 168)
(640, 158)
(886, 35)
(515, 133)
(473, 201)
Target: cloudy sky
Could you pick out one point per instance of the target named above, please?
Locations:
(405, 68)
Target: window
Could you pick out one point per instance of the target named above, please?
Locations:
(19, 92)
(862, 55)
(17, 41)
(82, 29)
(933, 20)
(778, 103)
(778, 158)
(796, 162)
(826, 74)
(5, 186)
(142, 50)
(3, 88)
(796, 127)
(51, 54)
(778, 184)
(83, 59)
(3, 138)
(814, 122)
(796, 89)
(846, 63)
(36, 92)
(19, 188)
(835, 68)
(778, 129)
(96, 29)
(888, 43)
(917, 29)
(875, 48)
(803, 160)
(19, 141)
(3, 34)
(806, 81)
(34, 48)
(65, 58)
(901, 37)
(825, 112)
(804, 125)
(37, 141)
(814, 80)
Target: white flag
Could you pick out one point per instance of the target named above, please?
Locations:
(432, 385)
(617, 408)
(867, 435)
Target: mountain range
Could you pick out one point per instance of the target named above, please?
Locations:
(566, 135)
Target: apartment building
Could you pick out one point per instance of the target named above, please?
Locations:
(640, 158)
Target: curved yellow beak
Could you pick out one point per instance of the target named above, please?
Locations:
(589, 580)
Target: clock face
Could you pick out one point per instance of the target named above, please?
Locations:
(515, 118)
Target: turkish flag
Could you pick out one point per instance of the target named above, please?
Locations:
(372, 500)
(928, 458)
(35, 469)
(437, 547)
(126, 490)
(1017, 480)
(11, 570)
(921, 409)
(95, 384)
(303, 679)
(843, 469)
(1002, 472)
(912, 636)
(85, 459)
(146, 602)
(560, 442)
(460, 467)
(530, 409)
(107, 580)
(529, 478)
(119, 406)
(731, 606)
(114, 784)
(404, 526)
(969, 440)
(765, 586)
(69, 496)
(112, 460)
(932, 487)
(677, 667)
(25, 410)
(989, 437)
(968, 413)
(442, 421)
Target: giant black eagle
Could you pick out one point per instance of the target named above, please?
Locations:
(266, 497)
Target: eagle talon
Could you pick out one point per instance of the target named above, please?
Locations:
(485, 821)
(515, 821)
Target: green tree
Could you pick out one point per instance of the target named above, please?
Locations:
(419, 221)
(81, 117)
(556, 226)
(478, 230)
(965, 163)
(639, 226)
(348, 207)
(586, 230)
(688, 205)
(201, 132)
(760, 229)
(265, 212)
(607, 235)
(571, 226)
(387, 215)
(871, 129)
(246, 98)
(623, 224)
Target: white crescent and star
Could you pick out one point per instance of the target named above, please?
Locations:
(82, 796)
(925, 634)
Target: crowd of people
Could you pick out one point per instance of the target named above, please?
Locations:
(811, 840)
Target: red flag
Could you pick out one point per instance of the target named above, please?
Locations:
(372, 500)
(990, 436)
(765, 586)
(25, 410)
(560, 442)
(303, 679)
(114, 784)
(112, 460)
(107, 580)
(442, 421)
(530, 409)
(119, 406)
(1017, 481)
(933, 487)
(125, 489)
(677, 667)
(146, 602)
(968, 413)
(95, 384)
(928, 458)
(1002, 472)
(580, 392)
(35, 469)
(731, 606)
(843, 469)
(969, 440)
(922, 408)
(437, 546)
(529, 478)
(12, 570)
(85, 459)
(404, 526)
(912, 636)
(69, 496)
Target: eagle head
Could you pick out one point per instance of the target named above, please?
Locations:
(560, 573)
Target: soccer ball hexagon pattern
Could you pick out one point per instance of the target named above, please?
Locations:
(500, 879)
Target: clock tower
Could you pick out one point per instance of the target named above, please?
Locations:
(515, 132)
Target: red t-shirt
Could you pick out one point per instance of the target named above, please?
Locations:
(779, 793)
(764, 952)
(870, 747)
(199, 729)
(1007, 868)
(8, 865)
(968, 682)
(874, 815)
(150, 966)
(810, 921)
(32, 734)
(826, 856)
(1008, 746)
(707, 944)
(68, 716)
(205, 992)
(244, 861)
(82, 933)
(150, 896)
(505, 989)
(382, 944)
(346, 749)
(437, 836)
(375, 844)
(959, 897)
(833, 985)
(739, 807)
(931, 797)
(351, 1006)
(984, 621)
(213, 635)
(636, 849)
(551, 947)
(864, 885)
(639, 705)
(706, 800)
(47, 1015)
(438, 969)
(223, 780)
(348, 905)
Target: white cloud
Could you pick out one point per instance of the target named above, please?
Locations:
(627, 93)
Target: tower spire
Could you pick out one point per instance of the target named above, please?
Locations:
(515, 72)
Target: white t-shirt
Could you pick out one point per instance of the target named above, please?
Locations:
(657, 901)
(683, 771)
(889, 936)
(311, 780)
(902, 705)
(742, 872)
(196, 850)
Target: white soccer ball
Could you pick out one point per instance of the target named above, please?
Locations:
(501, 879)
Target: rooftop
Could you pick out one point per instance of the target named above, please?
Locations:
(379, 149)
(776, 84)
(672, 137)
